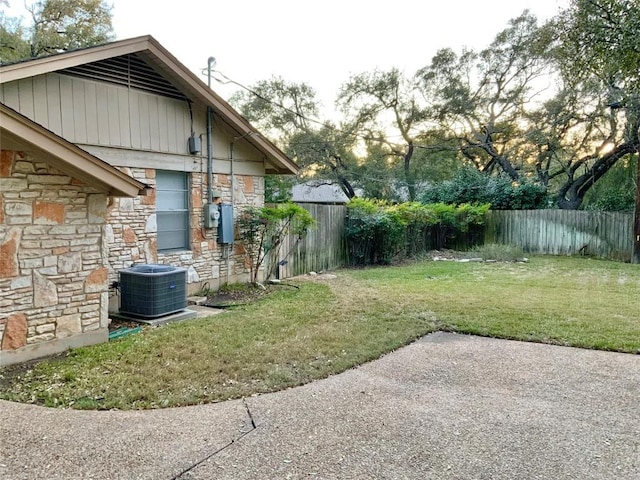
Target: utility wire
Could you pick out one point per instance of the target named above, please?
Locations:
(228, 80)
(435, 148)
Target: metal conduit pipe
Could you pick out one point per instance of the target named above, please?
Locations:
(210, 63)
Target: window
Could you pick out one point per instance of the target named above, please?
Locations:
(172, 208)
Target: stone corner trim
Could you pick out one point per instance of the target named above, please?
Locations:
(15, 332)
(9, 266)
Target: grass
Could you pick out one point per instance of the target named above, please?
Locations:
(494, 251)
(327, 326)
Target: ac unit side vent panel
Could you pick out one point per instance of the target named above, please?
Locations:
(151, 291)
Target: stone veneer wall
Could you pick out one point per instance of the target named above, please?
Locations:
(53, 270)
(132, 232)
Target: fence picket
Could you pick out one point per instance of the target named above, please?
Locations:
(323, 248)
(558, 232)
(563, 232)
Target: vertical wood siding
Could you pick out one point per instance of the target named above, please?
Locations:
(563, 232)
(96, 113)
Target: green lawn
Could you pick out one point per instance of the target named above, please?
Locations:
(329, 325)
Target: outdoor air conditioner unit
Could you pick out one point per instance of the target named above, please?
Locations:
(151, 291)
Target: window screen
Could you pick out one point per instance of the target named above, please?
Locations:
(172, 208)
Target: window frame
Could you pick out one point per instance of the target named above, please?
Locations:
(173, 183)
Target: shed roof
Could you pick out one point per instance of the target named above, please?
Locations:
(19, 133)
(149, 49)
(318, 192)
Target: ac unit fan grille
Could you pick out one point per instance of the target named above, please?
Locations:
(151, 291)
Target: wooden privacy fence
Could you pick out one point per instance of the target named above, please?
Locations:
(555, 232)
(563, 232)
(323, 248)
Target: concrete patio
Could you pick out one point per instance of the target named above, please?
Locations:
(445, 407)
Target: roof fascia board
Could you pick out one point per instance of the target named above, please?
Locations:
(53, 63)
(190, 80)
(231, 116)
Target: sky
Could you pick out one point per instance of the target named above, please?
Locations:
(321, 43)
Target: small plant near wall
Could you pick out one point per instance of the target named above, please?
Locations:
(264, 229)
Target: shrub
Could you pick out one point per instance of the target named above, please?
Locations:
(263, 229)
(373, 231)
(616, 190)
(376, 232)
(614, 201)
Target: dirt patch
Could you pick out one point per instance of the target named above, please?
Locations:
(316, 276)
(244, 294)
(445, 255)
(9, 373)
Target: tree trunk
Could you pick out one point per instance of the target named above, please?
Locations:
(411, 186)
(569, 203)
(571, 195)
(346, 187)
(635, 258)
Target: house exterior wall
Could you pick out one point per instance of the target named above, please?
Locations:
(139, 133)
(136, 123)
(132, 232)
(98, 113)
(53, 260)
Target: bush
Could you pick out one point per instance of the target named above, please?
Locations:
(373, 231)
(614, 201)
(263, 229)
(616, 190)
(472, 186)
(377, 232)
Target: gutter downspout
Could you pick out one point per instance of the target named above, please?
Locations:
(232, 203)
(232, 174)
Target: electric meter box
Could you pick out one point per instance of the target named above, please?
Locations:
(225, 223)
(211, 215)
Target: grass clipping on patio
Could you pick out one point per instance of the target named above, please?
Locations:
(328, 325)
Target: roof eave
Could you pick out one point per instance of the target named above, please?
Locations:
(51, 63)
(280, 162)
(276, 160)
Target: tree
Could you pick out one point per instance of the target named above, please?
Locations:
(479, 98)
(264, 229)
(327, 153)
(287, 112)
(578, 138)
(491, 103)
(600, 38)
(280, 108)
(616, 191)
(55, 26)
(382, 101)
(379, 175)
(13, 45)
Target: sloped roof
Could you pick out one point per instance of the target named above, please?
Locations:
(148, 48)
(17, 132)
(318, 192)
